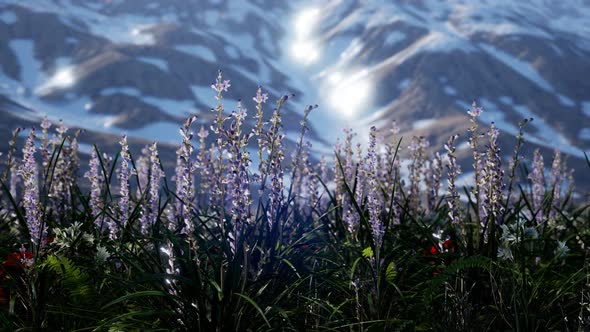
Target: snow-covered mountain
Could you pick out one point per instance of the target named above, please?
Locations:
(140, 66)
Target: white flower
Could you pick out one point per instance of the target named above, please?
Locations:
(561, 250)
(101, 255)
(505, 253)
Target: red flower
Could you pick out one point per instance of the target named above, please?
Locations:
(448, 244)
(16, 260)
(433, 250)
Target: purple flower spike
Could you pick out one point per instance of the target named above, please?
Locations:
(124, 186)
(220, 85)
(453, 172)
(260, 97)
(374, 203)
(28, 172)
(96, 178)
(150, 210)
(537, 177)
(475, 111)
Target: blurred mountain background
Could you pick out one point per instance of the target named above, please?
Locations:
(141, 66)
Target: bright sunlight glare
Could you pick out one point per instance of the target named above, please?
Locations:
(304, 48)
(348, 96)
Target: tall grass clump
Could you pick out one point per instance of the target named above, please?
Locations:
(248, 233)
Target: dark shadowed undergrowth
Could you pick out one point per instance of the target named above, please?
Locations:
(240, 239)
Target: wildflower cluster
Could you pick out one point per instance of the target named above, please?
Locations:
(236, 242)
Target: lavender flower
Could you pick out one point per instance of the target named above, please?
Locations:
(185, 190)
(61, 130)
(45, 125)
(569, 186)
(203, 164)
(123, 185)
(237, 178)
(491, 183)
(260, 97)
(28, 172)
(417, 159)
(275, 169)
(474, 113)
(374, 204)
(556, 178)
(313, 184)
(338, 174)
(538, 185)
(220, 86)
(361, 180)
(142, 170)
(433, 177)
(96, 178)
(453, 172)
(150, 210)
(302, 168)
(66, 166)
(345, 174)
(349, 172)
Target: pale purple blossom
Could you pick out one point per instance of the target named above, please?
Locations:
(361, 180)
(475, 111)
(556, 178)
(373, 201)
(29, 174)
(491, 182)
(184, 178)
(203, 164)
(123, 174)
(96, 178)
(151, 209)
(61, 180)
(220, 85)
(260, 97)
(454, 170)
(274, 169)
(416, 167)
(433, 178)
(142, 170)
(45, 125)
(237, 179)
(537, 177)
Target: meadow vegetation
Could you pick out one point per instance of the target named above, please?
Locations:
(241, 238)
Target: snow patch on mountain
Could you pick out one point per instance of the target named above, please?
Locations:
(566, 101)
(199, 51)
(161, 64)
(30, 67)
(450, 91)
(584, 134)
(424, 123)
(172, 107)
(520, 66)
(8, 17)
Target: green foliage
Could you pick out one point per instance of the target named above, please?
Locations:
(75, 283)
(291, 265)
